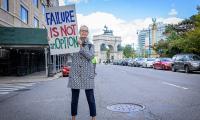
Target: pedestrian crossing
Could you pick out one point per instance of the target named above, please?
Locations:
(7, 88)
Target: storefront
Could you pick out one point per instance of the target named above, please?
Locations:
(23, 51)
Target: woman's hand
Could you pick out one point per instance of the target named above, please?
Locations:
(80, 43)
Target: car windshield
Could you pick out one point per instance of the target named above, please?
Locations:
(142, 59)
(194, 57)
(150, 59)
(166, 59)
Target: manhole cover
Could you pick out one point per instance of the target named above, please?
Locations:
(126, 107)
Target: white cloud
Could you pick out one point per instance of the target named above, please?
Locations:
(77, 1)
(126, 29)
(171, 20)
(61, 2)
(173, 12)
(74, 1)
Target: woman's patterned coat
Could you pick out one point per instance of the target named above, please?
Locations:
(81, 75)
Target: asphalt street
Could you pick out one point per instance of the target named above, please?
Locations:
(166, 95)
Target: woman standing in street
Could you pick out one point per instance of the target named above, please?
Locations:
(82, 74)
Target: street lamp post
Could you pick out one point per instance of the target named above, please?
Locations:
(149, 44)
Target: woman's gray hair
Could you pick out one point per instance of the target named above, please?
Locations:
(83, 27)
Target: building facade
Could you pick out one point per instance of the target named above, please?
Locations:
(18, 14)
(22, 13)
(156, 32)
(142, 39)
(147, 38)
(107, 46)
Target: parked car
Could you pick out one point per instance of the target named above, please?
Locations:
(130, 62)
(65, 70)
(186, 62)
(148, 62)
(119, 62)
(115, 62)
(108, 61)
(125, 61)
(162, 63)
(137, 62)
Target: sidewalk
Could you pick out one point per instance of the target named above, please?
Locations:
(35, 77)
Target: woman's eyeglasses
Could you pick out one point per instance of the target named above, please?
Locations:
(84, 30)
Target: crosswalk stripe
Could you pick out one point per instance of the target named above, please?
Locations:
(3, 93)
(6, 88)
(26, 84)
(18, 84)
(17, 87)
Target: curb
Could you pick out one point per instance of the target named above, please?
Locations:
(56, 76)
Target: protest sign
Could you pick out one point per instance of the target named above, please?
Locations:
(62, 29)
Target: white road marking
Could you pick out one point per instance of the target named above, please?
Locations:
(28, 84)
(18, 84)
(175, 85)
(17, 87)
(10, 87)
(3, 93)
(7, 90)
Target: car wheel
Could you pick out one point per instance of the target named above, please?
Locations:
(187, 70)
(154, 67)
(163, 67)
(173, 68)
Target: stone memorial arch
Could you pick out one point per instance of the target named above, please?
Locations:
(107, 46)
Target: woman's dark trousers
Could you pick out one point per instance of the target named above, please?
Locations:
(90, 98)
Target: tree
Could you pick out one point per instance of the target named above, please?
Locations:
(161, 47)
(192, 41)
(128, 51)
(198, 9)
(108, 54)
(119, 48)
(181, 38)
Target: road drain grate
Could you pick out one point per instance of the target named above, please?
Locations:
(126, 107)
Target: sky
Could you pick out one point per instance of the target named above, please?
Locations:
(126, 17)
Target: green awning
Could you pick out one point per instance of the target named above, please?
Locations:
(15, 36)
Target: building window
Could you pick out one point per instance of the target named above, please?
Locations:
(35, 2)
(36, 23)
(5, 5)
(43, 9)
(24, 14)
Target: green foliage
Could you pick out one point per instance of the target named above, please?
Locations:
(119, 48)
(181, 40)
(128, 51)
(108, 54)
(192, 41)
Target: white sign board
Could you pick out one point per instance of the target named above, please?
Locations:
(62, 29)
